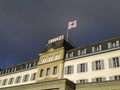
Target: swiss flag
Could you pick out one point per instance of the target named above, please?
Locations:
(72, 24)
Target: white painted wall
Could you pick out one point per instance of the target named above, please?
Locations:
(106, 72)
(18, 74)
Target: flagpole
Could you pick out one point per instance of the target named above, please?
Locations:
(67, 35)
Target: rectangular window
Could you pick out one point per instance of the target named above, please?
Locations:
(82, 81)
(116, 77)
(97, 48)
(98, 65)
(100, 79)
(69, 69)
(41, 72)
(113, 44)
(33, 76)
(84, 51)
(114, 62)
(55, 70)
(26, 78)
(11, 80)
(18, 79)
(48, 72)
(83, 67)
(4, 82)
(71, 54)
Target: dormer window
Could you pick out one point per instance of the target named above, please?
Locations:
(66, 55)
(83, 51)
(113, 44)
(71, 54)
(29, 65)
(96, 49)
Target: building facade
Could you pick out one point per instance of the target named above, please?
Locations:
(64, 67)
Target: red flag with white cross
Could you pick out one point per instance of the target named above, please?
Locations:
(72, 24)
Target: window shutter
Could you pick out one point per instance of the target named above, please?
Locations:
(72, 68)
(93, 80)
(117, 43)
(93, 49)
(66, 55)
(78, 52)
(86, 80)
(84, 51)
(102, 63)
(86, 67)
(78, 68)
(111, 78)
(110, 62)
(103, 78)
(109, 45)
(119, 61)
(93, 66)
(31, 76)
(65, 70)
(100, 47)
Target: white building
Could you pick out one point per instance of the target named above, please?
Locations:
(19, 75)
(98, 62)
(94, 63)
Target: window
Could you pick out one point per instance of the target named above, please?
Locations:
(26, 78)
(71, 54)
(113, 44)
(114, 62)
(55, 70)
(35, 63)
(49, 58)
(116, 77)
(15, 69)
(32, 64)
(44, 59)
(66, 55)
(48, 72)
(4, 82)
(83, 52)
(18, 79)
(33, 75)
(29, 65)
(57, 56)
(83, 67)
(97, 48)
(26, 65)
(69, 69)
(41, 73)
(11, 80)
(98, 65)
(100, 79)
(82, 81)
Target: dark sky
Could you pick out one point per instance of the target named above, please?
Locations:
(27, 25)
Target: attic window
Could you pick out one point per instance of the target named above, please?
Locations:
(114, 44)
(66, 55)
(71, 54)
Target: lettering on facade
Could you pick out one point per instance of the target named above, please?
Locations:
(56, 39)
